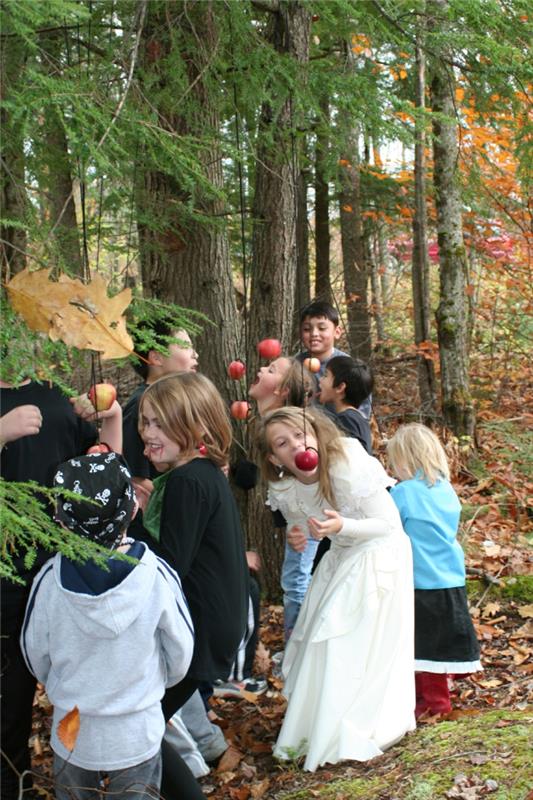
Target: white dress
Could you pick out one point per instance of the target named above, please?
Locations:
(349, 664)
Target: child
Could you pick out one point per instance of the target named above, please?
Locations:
(181, 356)
(285, 381)
(319, 330)
(347, 383)
(348, 664)
(445, 640)
(39, 429)
(193, 519)
(106, 641)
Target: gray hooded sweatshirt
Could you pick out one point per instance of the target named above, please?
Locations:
(108, 643)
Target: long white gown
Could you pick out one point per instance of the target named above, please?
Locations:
(349, 664)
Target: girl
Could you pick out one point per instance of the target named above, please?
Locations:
(348, 664)
(445, 640)
(193, 517)
(285, 381)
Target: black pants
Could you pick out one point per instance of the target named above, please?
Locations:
(17, 689)
(178, 782)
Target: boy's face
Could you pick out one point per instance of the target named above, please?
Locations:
(327, 393)
(182, 357)
(319, 335)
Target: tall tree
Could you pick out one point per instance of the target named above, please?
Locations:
(12, 179)
(56, 176)
(420, 261)
(452, 312)
(184, 255)
(322, 234)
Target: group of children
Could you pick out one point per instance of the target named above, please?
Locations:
(144, 639)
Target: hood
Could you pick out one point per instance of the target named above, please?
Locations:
(126, 589)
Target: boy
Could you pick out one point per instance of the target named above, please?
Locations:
(319, 330)
(181, 357)
(107, 641)
(346, 384)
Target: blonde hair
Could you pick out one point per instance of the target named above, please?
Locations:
(415, 449)
(190, 411)
(298, 385)
(328, 436)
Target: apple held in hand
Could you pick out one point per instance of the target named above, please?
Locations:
(101, 447)
(269, 348)
(312, 364)
(102, 396)
(240, 409)
(236, 370)
(306, 460)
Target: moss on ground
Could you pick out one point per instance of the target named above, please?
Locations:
(492, 746)
(516, 587)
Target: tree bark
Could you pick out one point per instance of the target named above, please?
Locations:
(56, 179)
(420, 263)
(183, 260)
(302, 293)
(14, 200)
(322, 236)
(452, 312)
(274, 253)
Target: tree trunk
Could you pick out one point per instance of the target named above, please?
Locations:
(420, 262)
(452, 312)
(13, 198)
(353, 261)
(56, 179)
(322, 236)
(377, 304)
(302, 294)
(274, 258)
(185, 261)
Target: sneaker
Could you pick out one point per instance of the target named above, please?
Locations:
(235, 688)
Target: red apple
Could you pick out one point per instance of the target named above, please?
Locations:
(306, 460)
(236, 370)
(102, 396)
(101, 447)
(312, 364)
(240, 409)
(269, 348)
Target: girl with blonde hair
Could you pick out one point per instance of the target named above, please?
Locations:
(445, 640)
(193, 519)
(348, 664)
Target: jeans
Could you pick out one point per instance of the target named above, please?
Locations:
(140, 782)
(295, 578)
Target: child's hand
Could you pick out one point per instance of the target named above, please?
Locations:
(21, 421)
(327, 527)
(253, 560)
(297, 538)
(85, 409)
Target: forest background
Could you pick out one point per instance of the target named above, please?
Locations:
(231, 160)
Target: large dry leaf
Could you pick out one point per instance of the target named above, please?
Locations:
(81, 315)
(69, 727)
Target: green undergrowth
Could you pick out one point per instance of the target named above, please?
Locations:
(516, 587)
(494, 746)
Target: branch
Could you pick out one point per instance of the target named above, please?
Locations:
(142, 14)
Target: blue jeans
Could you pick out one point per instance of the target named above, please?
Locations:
(140, 782)
(295, 578)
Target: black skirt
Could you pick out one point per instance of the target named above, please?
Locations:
(445, 639)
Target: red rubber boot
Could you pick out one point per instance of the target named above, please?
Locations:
(432, 694)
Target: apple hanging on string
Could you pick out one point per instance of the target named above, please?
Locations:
(102, 396)
(269, 348)
(312, 364)
(240, 409)
(100, 447)
(236, 370)
(307, 459)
